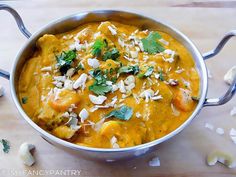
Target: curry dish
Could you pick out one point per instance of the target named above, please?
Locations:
(109, 85)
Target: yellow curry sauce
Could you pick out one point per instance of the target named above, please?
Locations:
(109, 85)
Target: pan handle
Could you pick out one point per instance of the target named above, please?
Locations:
(232, 89)
(21, 26)
(18, 19)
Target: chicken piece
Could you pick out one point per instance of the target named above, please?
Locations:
(84, 35)
(64, 132)
(183, 100)
(62, 99)
(27, 75)
(49, 45)
(110, 128)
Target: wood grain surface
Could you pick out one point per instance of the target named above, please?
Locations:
(204, 22)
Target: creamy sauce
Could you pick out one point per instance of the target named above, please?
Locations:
(158, 96)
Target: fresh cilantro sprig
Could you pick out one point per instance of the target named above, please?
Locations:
(98, 46)
(99, 87)
(129, 69)
(111, 54)
(6, 145)
(123, 113)
(151, 45)
(147, 73)
(161, 77)
(65, 59)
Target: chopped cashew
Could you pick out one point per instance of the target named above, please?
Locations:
(70, 72)
(83, 115)
(112, 30)
(48, 68)
(97, 99)
(121, 86)
(134, 54)
(230, 75)
(93, 62)
(147, 94)
(222, 157)
(80, 82)
(129, 80)
(26, 155)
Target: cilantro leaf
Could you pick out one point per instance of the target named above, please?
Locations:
(79, 67)
(98, 75)
(99, 86)
(147, 73)
(123, 113)
(112, 54)
(24, 100)
(98, 46)
(65, 60)
(6, 145)
(100, 89)
(151, 45)
(129, 69)
(161, 77)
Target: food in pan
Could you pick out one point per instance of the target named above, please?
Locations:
(109, 85)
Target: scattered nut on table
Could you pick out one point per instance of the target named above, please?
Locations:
(154, 162)
(1, 90)
(230, 75)
(25, 154)
(218, 156)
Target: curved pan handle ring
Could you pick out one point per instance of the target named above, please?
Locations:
(20, 25)
(232, 89)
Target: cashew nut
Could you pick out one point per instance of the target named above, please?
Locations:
(154, 162)
(230, 75)
(80, 82)
(222, 157)
(1, 90)
(26, 155)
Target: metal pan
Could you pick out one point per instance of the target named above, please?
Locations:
(73, 21)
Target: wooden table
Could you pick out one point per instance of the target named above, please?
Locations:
(182, 156)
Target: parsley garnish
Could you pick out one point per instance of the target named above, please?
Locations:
(24, 100)
(147, 73)
(6, 145)
(151, 45)
(98, 46)
(123, 113)
(65, 60)
(99, 86)
(129, 69)
(112, 54)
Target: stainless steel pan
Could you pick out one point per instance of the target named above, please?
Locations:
(69, 23)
